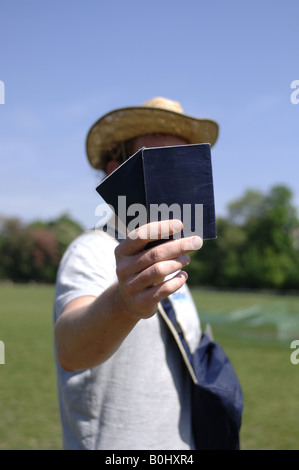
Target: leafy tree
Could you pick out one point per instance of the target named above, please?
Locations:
(255, 247)
(16, 247)
(44, 255)
(246, 209)
(217, 263)
(65, 230)
(33, 251)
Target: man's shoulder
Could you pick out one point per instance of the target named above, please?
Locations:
(93, 237)
(91, 244)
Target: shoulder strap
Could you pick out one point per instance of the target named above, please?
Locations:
(167, 312)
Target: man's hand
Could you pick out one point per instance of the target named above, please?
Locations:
(141, 272)
(90, 329)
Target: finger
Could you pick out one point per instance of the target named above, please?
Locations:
(137, 239)
(130, 265)
(166, 251)
(155, 294)
(155, 274)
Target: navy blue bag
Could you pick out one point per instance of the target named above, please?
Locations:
(217, 399)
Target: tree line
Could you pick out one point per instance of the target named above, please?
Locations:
(257, 245)
(32, 252)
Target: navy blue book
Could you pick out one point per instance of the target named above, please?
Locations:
(165, 183)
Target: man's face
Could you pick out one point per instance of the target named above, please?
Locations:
(157, 140)
(149, 140)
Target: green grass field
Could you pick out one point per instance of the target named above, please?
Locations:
(29, 412)
(255, 329)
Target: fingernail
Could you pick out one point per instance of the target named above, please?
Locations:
(185, 259)
(196, 243)
(177, 226)
(184, 274)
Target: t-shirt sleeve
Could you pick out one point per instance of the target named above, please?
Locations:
(86, 269)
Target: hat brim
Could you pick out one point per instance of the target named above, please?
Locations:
(126, 123)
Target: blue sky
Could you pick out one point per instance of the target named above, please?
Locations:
(65, 63)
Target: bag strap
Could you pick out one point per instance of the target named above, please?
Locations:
(166, 311)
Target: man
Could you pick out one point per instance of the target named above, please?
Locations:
(122, 381)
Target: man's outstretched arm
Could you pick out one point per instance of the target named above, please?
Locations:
(90, 329)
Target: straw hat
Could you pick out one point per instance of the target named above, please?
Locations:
(158, 115)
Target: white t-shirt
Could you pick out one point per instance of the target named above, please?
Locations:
(140, 397)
